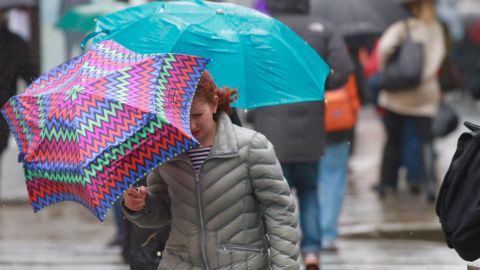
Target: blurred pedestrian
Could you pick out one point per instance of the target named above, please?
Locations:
(449, 14)
(15, 63)
(299, 149)
(228, 202)
(469, 58)
(371, 75)
(411, 144)
(333, 167)
(355, 45)
(417, 105)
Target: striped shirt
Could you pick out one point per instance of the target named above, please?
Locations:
(198, 155)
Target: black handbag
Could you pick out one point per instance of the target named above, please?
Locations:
(403, 69)
(146, 247)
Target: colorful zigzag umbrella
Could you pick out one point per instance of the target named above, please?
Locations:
(91, 127)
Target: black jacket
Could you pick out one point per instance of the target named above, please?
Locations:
(327, 42)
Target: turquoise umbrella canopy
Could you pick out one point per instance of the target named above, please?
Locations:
(265, 60)
(81, 18)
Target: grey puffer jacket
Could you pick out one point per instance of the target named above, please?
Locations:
(236, 213)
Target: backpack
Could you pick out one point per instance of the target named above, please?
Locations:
(458, 201)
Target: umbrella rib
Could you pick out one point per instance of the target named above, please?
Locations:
(185, 30)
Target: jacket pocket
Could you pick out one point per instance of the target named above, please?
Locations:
(234, 256)
(177, 250)
(245, 248)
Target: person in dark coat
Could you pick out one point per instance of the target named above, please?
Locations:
(15, 63)
(298, 148)
(333, 167)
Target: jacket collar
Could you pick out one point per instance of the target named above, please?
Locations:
(225, 139)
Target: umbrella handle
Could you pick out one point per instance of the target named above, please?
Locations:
(88, 37)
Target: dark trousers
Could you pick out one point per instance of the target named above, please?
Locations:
(394, 147)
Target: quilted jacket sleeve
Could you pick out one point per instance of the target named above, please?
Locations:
(157, 209)
(276, 202)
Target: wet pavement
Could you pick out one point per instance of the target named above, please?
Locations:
(375, 234)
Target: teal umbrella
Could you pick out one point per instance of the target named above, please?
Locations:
(266, 61)
(81, 18)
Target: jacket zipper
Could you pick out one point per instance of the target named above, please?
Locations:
(149, 238)
(202, 225)
(200, 207)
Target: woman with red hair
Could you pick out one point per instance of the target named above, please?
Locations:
(228, 202)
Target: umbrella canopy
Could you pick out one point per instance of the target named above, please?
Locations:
(356, 17)
(81, 18)
(266, 61)
(92, 126)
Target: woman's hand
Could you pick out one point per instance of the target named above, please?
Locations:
(134, 198)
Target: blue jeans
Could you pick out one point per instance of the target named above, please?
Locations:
(395, 146)
(303, 177)
(332, 183)
(412, 153)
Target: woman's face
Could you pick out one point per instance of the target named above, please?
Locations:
(202, 123)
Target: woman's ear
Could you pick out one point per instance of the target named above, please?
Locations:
(215, 104)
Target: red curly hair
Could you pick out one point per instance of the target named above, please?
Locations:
(207, 89)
